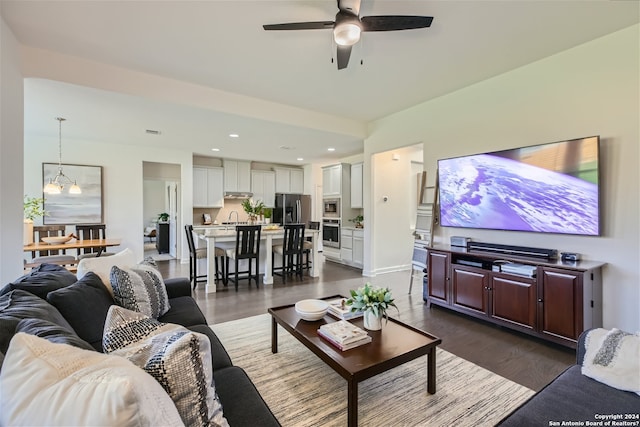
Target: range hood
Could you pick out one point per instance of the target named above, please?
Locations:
(237, 195)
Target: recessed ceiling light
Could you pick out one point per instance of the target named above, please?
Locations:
(331, 149)
(300, 159)
(215, 149)
(234, 135)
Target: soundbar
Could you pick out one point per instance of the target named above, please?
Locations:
(514, 250)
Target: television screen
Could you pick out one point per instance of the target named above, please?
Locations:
(549, 188)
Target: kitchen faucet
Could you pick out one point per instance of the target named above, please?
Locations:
(230, 214)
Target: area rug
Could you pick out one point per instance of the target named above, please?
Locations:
(302, 391)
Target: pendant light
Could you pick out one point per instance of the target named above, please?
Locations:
(56, 185)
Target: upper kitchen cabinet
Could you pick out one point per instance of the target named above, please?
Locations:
(289, 180)
(332, 180)
(237, 176)
(356, 185)
(263, 187)
(208, 188)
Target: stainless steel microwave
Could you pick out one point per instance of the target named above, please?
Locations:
(331, 208)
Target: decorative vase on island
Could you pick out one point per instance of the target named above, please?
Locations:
(371, 321)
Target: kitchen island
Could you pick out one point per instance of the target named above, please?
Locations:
(216, 236)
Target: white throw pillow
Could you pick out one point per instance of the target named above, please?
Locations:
(49, 384)
(102, 265)
(179, 359)
(140, 288)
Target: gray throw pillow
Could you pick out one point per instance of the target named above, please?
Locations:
(52, 332)
(140, 288)
(179, 359)
(41, 280)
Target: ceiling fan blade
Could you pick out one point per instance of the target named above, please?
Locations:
(318, 25)
(394, 22)
(344, 52)
(349, 6)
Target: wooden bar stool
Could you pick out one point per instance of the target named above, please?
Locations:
(201, 253)
(247, 247)
(291, 251)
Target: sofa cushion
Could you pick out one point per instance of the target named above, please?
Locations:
(41, 280)
(140, 288)
(18, 305)
(572, 396)
(184, 311)
(242, 403)
(51, 332)
(102, 265)
(52, 384)
(84, 305)
(177, 358)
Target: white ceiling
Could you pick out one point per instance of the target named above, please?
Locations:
(221, 45)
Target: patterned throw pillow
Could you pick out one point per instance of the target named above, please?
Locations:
(140, 288)
(49, 384)
(179, 359)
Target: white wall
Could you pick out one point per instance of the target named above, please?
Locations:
(122, 176)
(592, 89)
(11, 155)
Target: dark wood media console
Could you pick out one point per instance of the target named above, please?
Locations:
(561, 301)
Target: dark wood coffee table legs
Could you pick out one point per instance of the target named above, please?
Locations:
(352, 403)
(274, 335)
(431, 371)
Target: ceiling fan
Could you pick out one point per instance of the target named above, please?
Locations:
(348, 26)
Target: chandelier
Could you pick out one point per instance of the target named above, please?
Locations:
(56, 185)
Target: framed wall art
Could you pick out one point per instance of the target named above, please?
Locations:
(65, 208)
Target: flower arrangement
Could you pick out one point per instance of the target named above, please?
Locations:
(357, 221)
(253, 209)
(370, 298)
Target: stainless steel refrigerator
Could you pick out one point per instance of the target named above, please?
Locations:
(292, 208)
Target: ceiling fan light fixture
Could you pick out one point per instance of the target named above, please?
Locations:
(347, 33)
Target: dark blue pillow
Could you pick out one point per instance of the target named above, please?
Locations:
(51, 332)
(84, 305)
(41, 280)
(18, 305)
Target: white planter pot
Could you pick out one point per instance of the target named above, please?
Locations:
(27, 234)
(371, 321)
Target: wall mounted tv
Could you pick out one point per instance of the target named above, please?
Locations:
(548, 188)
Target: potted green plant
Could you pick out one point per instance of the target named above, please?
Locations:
(33, 208)
(267, 213)
(357, 221)
(374, 302)
(163, 217)
(253, 209)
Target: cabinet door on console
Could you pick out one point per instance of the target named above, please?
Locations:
(514, 300)
(438, 268)
(470, 286)
(561, 303)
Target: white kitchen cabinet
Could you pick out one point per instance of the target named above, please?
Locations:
(208, 188)
(358, 247)
(289, 180)
(237, 176)
(356, 185)
(263, 187)
(346, 245)
(332, 180)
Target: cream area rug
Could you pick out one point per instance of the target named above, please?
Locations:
(302, 391)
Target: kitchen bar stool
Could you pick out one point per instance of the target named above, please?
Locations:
(290, 250)
(247, 247)
(201, 253)
(307, 244)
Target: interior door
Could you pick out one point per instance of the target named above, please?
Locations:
(172, 209)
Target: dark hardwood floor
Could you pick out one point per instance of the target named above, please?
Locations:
(518, 357)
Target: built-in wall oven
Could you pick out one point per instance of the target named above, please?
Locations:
(331, 208)
(331, 233)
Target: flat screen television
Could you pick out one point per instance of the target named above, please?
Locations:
(547, 188)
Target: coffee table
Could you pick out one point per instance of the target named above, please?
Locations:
(395, 344)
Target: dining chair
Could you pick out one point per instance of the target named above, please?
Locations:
(247, 247)
(196, 253)
(91, 232)
(291, 252)
(307, 244)
(57, 256)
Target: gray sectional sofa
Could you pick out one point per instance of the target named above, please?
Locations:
(575, 399)
(53, 294)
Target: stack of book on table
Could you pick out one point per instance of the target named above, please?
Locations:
(344, 335)
(338, 309)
